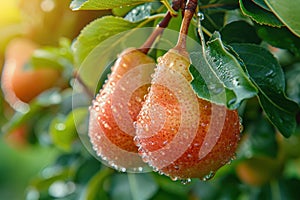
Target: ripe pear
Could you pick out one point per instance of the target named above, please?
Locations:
(21, 85)
(178, 133)
(115, 108)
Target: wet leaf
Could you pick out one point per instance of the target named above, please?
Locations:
(54, 57)
(96, 32)
(288, 12)
(268, 76)
(262, 4)
(280, 37)
(219, 77)
(103, 4)
(239, 32)
(142, 11)
(258, 14)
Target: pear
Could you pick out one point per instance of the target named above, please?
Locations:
(115, 108)
(178, 133)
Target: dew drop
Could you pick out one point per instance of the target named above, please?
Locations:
(160, 172)
(123, 169)
(135, 125)
(196, 144)
(114, 109)
(241, 128)
(229, 162)
(173, 178)
(145, 158)
(232, 101)
(122, 88)
(146, 127)
(186, 181)
(176, 167)
(136, 140)
(208, 176)
(236, 82)
(203, 124)
(60, 126)
(107, 126)
(96, 107)
(215, 88)
(138, 99)
(112, 83)
(270, 73)
(119, 76)
(140, 169)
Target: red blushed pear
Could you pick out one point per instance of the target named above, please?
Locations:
(18, 137)
(21, 85)
(179, 134)
(115, 109)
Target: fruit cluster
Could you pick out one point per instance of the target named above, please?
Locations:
(147, 114)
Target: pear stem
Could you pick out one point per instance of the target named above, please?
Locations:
(188, 15)
(176, 4)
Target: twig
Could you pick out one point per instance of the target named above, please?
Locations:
(85, 87)
(188, 15)
(176, 4)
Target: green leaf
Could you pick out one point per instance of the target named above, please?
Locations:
(55, 57)
(258, 14)
(268, 76)
(43, 183)
(120, 12)
(288, 12)
(280, 37)
(63, 129)
(103, 4)
(239, 32)
(262, 4)
(96, 32)
(219, 77)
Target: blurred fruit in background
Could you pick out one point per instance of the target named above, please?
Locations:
(44, 143)
(259, 170)
(290, 146)
(43, 21)
(19, 83)
(18, 138)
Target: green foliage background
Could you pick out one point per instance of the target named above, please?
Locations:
(256, 42)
